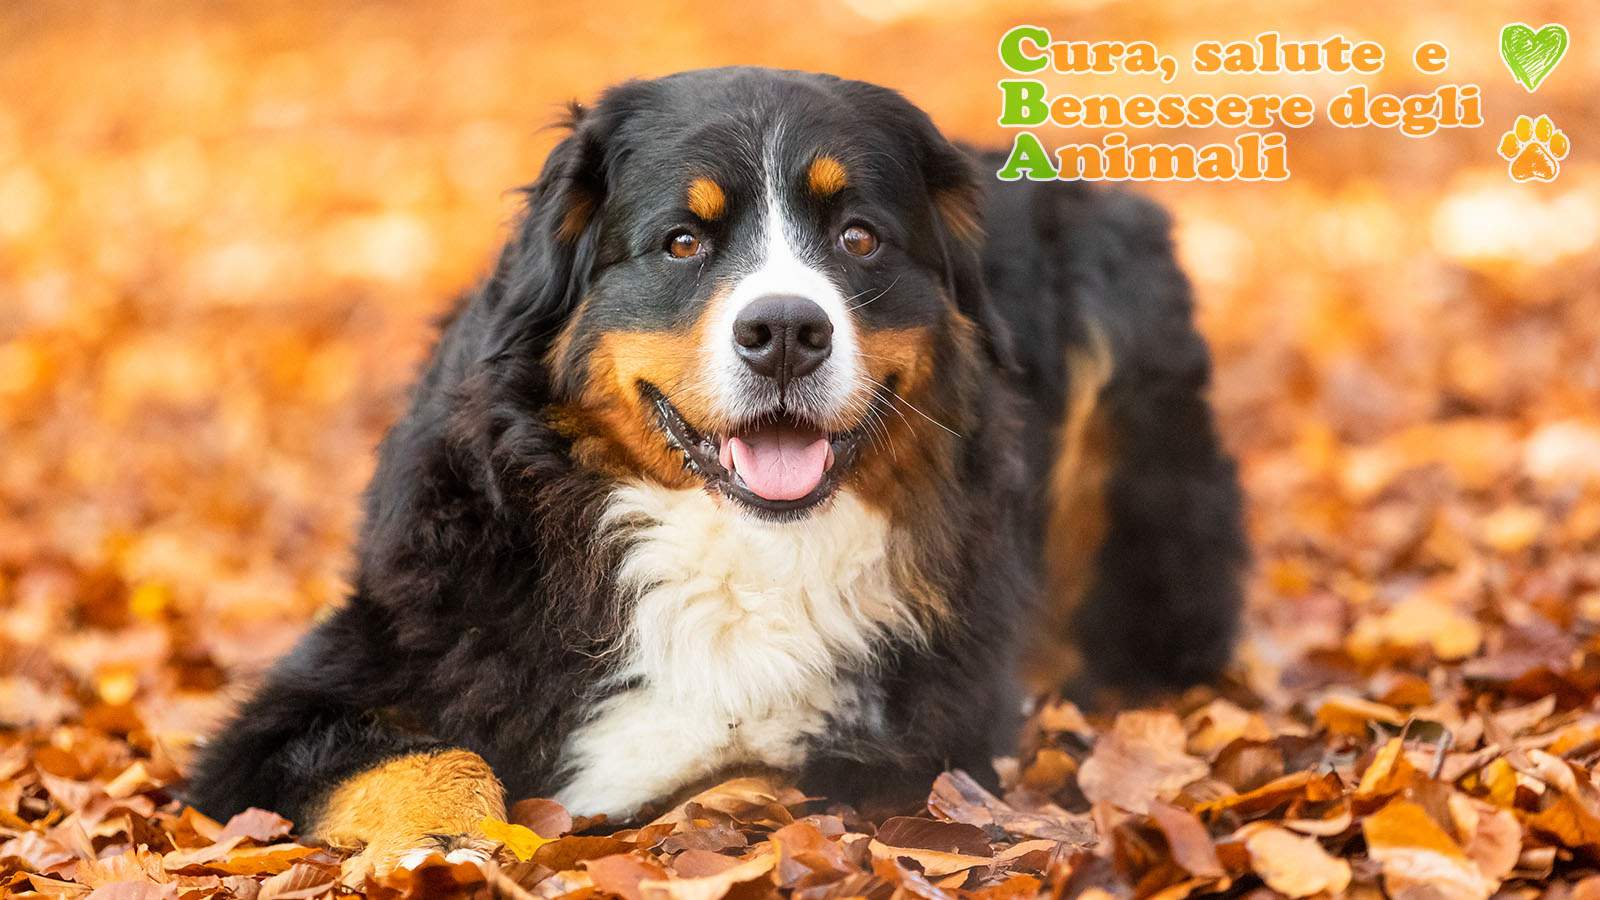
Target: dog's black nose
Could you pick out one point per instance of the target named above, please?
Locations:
(782, 336)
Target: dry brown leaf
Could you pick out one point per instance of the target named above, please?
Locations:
(300, 881)
(1491, 837)
(1294, 865)
(1142, 758)
(1048, 772)
(710, 887)
(1187, 839)
(913, 832)
(257, 825)
(956, 796)
(1219, 723)
(1331, 819)
(753, 800)
(1351, 716)
(1390, 771)
(546, 818)
(1419, 858)
(1275, 793)
(805, 853)
(568, 852)
(716, 838)
(135, 890)
(1014, 887)
(933, 863)
(1418, 622)
(624, 874)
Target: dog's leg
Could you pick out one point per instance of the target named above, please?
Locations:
(1076, 518)
(314, 744)
(1163, 596)
(1144, 543)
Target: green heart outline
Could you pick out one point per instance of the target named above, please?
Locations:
(1533, 55)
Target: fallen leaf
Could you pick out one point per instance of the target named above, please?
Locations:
(1419, 622)
(710, 887)
(542, 817)
(299, 881)
(1491, 837)
(927, 834)
(257, 825)
(1419, 858)
(1142, 758)
(932, 863)
(958, 797)
(1294, 865)
(521, 841)
(753, 800)
(624, 873)
(1352, 716)
(1188, 840)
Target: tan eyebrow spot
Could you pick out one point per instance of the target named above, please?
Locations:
(706, 199)
(827, 176)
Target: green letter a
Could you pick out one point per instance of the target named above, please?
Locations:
(1027, 159)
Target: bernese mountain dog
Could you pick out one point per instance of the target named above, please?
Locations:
(781, 436)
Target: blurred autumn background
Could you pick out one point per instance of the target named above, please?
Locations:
(225, 229)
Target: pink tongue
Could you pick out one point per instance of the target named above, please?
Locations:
(778, 462)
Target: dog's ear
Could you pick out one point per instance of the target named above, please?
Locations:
(545, 269)
(957, 194)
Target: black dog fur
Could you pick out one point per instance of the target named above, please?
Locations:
(484, 602)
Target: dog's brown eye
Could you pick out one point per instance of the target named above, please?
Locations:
(857, 240)
(683, 244)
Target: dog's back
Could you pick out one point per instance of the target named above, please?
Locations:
(1138, 508)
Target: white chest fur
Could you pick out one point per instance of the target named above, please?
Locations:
(739, 631)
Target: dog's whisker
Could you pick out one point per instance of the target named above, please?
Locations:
(913, 406)
(879, 294)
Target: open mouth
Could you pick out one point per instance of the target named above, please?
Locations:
(781, 465)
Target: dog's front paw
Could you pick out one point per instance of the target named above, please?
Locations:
(461, 848)
(385, 855)
(407, 809)
(410, 854)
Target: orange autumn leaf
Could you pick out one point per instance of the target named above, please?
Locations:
(1295, 865)
(1142, 758)
(1418, 855)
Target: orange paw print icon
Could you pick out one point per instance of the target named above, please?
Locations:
(1535, 149)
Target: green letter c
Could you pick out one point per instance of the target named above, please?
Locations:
(1012, 54)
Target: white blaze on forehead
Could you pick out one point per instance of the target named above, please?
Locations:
(780, 266)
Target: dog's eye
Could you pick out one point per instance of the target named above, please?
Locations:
(858, 240)
(683, 244)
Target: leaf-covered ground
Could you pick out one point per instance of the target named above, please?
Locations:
(222, 236)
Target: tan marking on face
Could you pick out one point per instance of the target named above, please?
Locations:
(560, 357)
(400, 805)
(706, 199)
(908, 463)
(906, 357)
(1078, 519)
(827, 176)
(903, 353)
(613, 429)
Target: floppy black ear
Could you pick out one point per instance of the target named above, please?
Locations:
(957, 205)
(544, 270)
